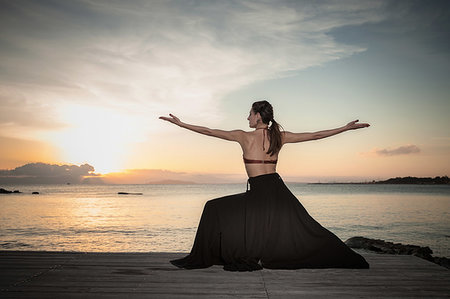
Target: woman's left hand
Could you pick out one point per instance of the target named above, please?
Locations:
(354, 125)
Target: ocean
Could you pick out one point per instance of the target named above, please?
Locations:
(95, 218)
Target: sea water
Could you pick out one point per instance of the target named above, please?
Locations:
(164, 218)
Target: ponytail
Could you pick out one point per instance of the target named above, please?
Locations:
(274, 138)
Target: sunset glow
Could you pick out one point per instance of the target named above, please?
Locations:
(96, 136)
(97, 75)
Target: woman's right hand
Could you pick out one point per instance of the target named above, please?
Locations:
(173, 119)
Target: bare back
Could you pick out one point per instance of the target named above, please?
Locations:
(252, 147)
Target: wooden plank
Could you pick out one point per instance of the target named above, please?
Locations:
(389, 276)
(150, 275)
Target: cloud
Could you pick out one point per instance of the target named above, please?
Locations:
(21, 113)
(149, 57)
(136, 60)
(42, 173)
(402, 150)
(150, 176)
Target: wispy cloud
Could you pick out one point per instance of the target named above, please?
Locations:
(147, 57)
(401, 150)
(127, 62)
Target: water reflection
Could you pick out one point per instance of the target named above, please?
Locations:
(165, 218)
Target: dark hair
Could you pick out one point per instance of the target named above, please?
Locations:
(266, 111)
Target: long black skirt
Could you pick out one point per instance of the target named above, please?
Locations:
(265, 227)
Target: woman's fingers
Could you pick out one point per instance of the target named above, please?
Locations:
(172, 118)
(362, 125)
(166, 118)
(355, 125)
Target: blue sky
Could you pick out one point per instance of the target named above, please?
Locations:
(85, 81)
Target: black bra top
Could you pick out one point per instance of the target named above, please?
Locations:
(250, 161)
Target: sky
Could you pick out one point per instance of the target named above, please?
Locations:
(84, 82)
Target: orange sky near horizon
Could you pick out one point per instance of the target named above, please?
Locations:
(94, 79)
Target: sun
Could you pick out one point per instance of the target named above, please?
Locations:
(98, 136)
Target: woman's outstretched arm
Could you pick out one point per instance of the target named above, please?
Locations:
(289, 137)
(235, 135)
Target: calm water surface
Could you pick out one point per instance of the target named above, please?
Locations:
(165, 217)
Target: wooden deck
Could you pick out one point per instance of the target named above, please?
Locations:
(150, 275)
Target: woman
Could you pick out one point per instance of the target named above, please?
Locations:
(266, 226)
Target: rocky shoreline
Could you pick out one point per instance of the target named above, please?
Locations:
(4, 191)
(382, 246)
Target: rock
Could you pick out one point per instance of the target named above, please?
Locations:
(4, 191)
(35, 192)
(442, 261)
(389, 247)
(382, 246)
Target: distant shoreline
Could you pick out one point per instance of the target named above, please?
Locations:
(444, 180)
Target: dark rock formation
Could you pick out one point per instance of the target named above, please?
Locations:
(4, 191)
(382, 246)
(389, 247)
(443, 261)
(35, 192)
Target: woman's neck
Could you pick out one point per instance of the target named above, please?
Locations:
(261, 128)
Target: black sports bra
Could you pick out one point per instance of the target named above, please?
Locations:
(250, 161)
